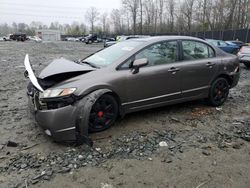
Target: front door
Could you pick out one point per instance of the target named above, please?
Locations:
(159, 81)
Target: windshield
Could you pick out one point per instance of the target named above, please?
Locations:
(109, 55)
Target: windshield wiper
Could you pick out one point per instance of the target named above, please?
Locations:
(90, 64)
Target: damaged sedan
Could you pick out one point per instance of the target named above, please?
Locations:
(70, 99)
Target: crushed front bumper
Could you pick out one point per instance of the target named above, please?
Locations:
(67, 123)
(60, 123)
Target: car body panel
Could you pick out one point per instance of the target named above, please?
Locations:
(59, 66)
(197, 75)
(145, 88)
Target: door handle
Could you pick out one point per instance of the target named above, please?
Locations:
(209, 64)
(173, 70)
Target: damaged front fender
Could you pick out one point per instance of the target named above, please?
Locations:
(83, 112)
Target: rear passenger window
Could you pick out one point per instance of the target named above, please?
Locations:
(196, 50)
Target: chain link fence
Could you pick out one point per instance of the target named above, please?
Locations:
(240, 34)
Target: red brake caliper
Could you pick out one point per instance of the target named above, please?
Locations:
(100, 113)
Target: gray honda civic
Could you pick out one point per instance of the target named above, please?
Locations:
(70, 99)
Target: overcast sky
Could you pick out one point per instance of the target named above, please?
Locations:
(48, 11)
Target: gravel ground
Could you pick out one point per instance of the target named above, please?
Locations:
(185, 145)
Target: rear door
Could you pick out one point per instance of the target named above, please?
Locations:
(198, 68)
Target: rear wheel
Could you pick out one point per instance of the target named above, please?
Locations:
(218, 92)
(103, 113)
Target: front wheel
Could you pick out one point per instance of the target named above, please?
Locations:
(218, 92)
(103, 113)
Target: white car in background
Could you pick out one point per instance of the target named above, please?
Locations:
(35, 38)
(5, 38)
(73, 39)
(244, 55)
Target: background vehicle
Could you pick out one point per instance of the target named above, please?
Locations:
(233, 49)
(72, 98)
(122, 38)
(244, 55)
(35, 38)
(73, 39)
(236, 42)
(18, 37)
(80, 39)
(90, 38)
(6, 38)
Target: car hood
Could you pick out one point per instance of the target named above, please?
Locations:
(63, 66)
(57, 71)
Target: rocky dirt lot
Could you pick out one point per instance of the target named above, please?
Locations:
(185, 145)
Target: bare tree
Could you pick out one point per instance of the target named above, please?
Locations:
(116, 20)
(132, 6)
(141, 16)
(187, 9)
(104, 20)
(92, 16)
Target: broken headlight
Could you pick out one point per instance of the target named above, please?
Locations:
(51, 93)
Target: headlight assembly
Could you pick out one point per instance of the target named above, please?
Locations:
(51, 93)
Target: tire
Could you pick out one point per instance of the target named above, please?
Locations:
(103, 114)
(247, 65)
(218, 92)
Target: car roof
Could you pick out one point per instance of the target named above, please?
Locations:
(234, 41)
(168, 37)
(213, 40)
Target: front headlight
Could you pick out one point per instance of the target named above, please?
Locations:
(50, 93)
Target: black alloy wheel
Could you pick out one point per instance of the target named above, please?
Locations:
(218, 92)
(103, 113)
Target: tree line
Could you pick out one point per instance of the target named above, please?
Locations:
(166, 16)
(152, 17)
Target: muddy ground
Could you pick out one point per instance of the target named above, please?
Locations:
(204, 146)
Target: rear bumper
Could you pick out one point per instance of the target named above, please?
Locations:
(235, 79)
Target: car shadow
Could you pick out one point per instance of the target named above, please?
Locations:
(148, 120)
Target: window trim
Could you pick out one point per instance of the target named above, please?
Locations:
(193, 40)
(119, 67)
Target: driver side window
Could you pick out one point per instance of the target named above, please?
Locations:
(157, 54)
(160, 53)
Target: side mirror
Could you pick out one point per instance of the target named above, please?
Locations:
(138, 63)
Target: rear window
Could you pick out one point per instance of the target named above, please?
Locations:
(245, 50)
(196, 50)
